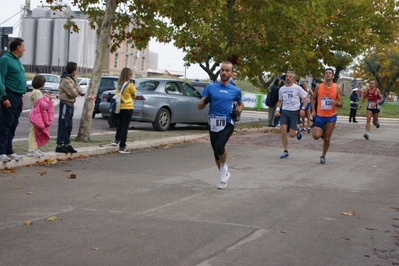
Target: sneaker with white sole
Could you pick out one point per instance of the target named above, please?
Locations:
(223, 185)
(123, 151)
(5, 158)
(366, 136)
(40, 152)
(115, 143)
(15, 157)
(33, 153)
(284, 155)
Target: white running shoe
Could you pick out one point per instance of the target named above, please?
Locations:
(223, 185)
(5, 158)
(33, 153)
(40, 152)
(15, 157)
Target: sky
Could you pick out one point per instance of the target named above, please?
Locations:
(169, 57)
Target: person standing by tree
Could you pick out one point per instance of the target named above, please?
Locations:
(289, 100)
(129, 92)
(354, 98)
(271, 101)
(328, 97)
(69, 90)
(12, 89)
(374, 97)
(222, 116)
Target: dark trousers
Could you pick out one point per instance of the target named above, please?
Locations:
(9, 119)
(219, 140)
(352, 115)
(124, 117)
(65, 124)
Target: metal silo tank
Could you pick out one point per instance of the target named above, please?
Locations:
(44, 44)
(28, 34)
(91, 47)
(77, 43)
(59, 55)
(41, 12)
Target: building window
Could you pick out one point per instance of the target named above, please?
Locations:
(142, 63)
(126, 60)
(116, 61)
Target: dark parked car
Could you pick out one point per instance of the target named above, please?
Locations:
(106, 83)
(162, 102)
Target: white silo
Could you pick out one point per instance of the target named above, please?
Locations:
(44, 44)
(90, 48)
(28, 34)
(77, 43)
(59, 55)
(41, 12)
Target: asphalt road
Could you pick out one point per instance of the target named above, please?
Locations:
(160, 206)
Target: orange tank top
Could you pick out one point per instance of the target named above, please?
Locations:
(326, 96)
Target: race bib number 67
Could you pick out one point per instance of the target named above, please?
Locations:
(217, 123)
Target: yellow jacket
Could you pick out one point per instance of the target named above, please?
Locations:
(128, 94)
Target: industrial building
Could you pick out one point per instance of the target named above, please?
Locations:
(49, 46)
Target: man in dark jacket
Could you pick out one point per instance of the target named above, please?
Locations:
(271, 101)
(354, 98)
(12, 88)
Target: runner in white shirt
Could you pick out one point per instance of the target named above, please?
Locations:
(289, 100)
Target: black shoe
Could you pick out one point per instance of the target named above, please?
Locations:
(355, 122)
(271, 125)
(71, 149)
(62, 149)
(351, 121)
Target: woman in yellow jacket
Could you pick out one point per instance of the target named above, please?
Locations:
(126, 111)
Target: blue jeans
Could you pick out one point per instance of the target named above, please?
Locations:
(65, 124)
(122, 127)
(9, 119)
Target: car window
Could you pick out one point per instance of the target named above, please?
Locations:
(173, 88)
(148, 85)
(108, 83)
(190, 91)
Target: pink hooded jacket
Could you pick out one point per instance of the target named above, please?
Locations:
(41, 117)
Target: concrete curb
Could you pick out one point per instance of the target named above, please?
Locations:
(49, 157)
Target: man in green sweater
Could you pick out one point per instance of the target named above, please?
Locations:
(12, 89)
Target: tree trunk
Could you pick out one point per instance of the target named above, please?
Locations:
(105, 31)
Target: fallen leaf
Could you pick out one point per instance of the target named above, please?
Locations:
(27, 222)
(9, 170)
(29, 193)
(345, 238)
(72, 176)
(43, 173)
(95, 248)
(51, 218)
(67, 171)
(395, 208)
(351, 213)
(18, 187)
(283, 231)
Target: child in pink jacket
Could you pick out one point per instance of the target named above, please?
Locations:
(41, 117)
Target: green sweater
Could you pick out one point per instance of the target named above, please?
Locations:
(12, 75)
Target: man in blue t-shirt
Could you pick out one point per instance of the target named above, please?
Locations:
(225, 107)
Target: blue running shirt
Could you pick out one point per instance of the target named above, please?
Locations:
(223, 97)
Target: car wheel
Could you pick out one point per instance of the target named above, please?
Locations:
(162, 120)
